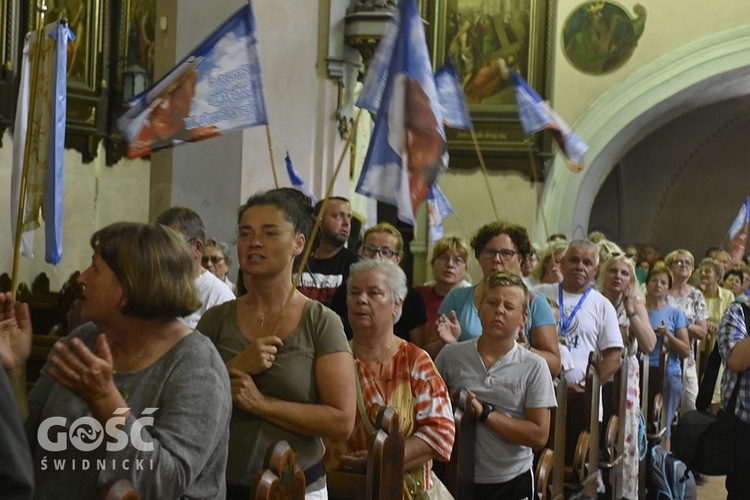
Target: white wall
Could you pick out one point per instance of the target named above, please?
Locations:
(95, 195)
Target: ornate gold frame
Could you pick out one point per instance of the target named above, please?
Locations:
(497, 126)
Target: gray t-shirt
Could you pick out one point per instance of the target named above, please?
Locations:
(518, 380)
(186, 392)
(291, 378)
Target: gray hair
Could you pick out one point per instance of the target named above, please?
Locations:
(395, 277)
(223, 248)
(584, 244)
(191, 224)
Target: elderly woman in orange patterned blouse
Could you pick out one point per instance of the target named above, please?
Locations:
(393, 372)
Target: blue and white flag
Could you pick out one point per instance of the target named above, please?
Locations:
(297, 181)
(452, 99)
(44, 179)
(373, 85)
(407, 151)
(438, 208)
(738, 232)
(536, 114)
(216, 89)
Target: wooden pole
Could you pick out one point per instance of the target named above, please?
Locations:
(273, 161)
(316, 227)
(484, 172)
(535, 178)
(34, 77)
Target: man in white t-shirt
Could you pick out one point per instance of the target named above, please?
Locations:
(588, 321)
(211, 290)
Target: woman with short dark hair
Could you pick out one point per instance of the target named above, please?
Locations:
(291, 368)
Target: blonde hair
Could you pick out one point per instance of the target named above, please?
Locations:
(450, 244)
(384, 227)
(547, 253)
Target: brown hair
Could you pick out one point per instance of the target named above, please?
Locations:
(154, 267)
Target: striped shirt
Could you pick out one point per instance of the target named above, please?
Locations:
(731, 331)
(408, 379)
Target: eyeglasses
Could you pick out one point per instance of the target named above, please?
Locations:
(215, 259)
(372, 251)
(445, 258)
(683, 262)
(504, 254)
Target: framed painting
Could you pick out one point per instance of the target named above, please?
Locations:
(139, 35)
(87, 69)
(485, 40)
(10, 39)
(85, 20)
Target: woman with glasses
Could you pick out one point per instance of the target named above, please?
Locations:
(449, 268)
(691, 302)
(499, 246)
(216, 259)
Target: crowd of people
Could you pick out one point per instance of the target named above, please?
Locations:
(178, 379)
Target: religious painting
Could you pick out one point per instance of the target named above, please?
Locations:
(600, 37)
(141, 22)
(83, 17)
(485, 40)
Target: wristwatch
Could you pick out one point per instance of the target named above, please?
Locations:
(486, 410)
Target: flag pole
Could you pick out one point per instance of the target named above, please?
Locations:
(37, 56)
(316, 227)
(535, 178)
(273, 161)
(484, 171)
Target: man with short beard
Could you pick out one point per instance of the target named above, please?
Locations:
(328, 268)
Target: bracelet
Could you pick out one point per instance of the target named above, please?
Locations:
(486, 410)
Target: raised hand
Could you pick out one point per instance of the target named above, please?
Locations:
(448, 329)
(15, 332)
(85, 374)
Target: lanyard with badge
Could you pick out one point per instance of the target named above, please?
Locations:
(565, 323)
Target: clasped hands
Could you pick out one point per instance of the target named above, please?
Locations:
(254, 359)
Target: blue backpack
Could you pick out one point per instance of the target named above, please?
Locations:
(670, 477)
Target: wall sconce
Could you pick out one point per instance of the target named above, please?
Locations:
(134, 81)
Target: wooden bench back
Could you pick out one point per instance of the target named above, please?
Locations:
(385, 465)
(281, 478)
(458, 474)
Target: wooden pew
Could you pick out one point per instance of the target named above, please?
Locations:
(615, 395)
(653, 385)
(385, 465)
(557, 439)
(281, 478)
(544, 469)
(657, 383)
(582, 473)
(458, 474)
